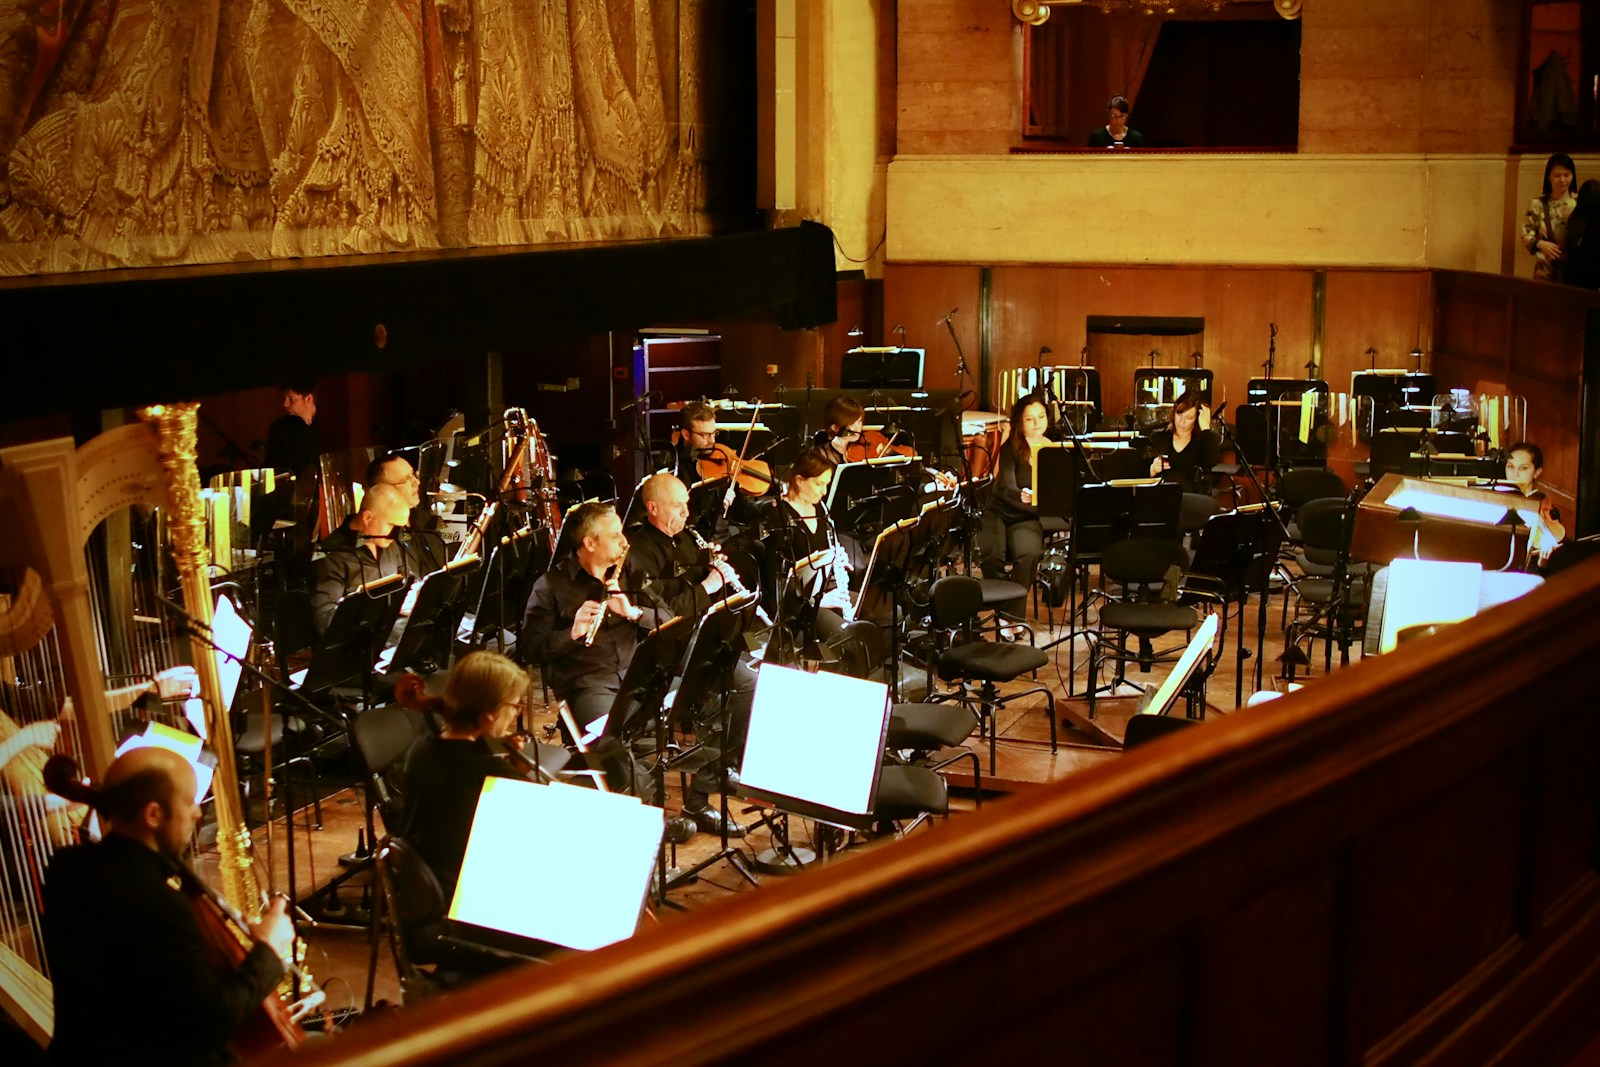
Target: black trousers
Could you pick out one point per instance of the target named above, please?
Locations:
(1022, 542)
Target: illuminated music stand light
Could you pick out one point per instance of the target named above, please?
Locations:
(588, 903)
(782, 763)
(1159, 700)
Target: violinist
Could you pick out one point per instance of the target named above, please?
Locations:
(125, 949)
(809, 534)
(1524, 465)
(843, 422)
(702, 463)
(442, 775)
(1010, 527)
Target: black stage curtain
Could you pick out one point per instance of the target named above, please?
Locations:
(123, 338)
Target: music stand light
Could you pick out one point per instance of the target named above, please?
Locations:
(782, 762)
(1159, 700)
(609, 841)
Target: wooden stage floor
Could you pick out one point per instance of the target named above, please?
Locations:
(338, 955)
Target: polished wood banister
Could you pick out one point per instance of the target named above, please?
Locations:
(1287, 882)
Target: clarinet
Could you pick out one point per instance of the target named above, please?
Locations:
(730, 577)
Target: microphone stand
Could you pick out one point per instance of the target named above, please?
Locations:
(962, 373)
(1283, 530)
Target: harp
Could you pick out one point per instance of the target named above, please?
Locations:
(90, 537)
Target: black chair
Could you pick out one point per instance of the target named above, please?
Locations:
(977, 666)
(922, 733)
(428, 954)
(1330, 600)
(1143, 572)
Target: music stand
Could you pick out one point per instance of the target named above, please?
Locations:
(1103, 514)
(1159, 701)
(712, 655)
(609, 841)
(355, 635)
(426, 634)
(858, 487)
(782, 763)
(881, 368)
(1238, 549)
(888, 571)
(649, 676)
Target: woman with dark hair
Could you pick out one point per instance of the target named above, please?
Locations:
(444, 774)
(842, 422)
(1524, 465)
(1010, 528)
(1546, 220)
(1580, 245)
(1186, 450)
(810, 541)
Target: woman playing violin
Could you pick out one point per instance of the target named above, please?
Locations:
(126, 952)
(843, 420)
(443, 775)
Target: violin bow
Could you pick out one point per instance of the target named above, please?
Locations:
(738, 464)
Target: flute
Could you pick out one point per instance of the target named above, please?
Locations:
(611, 583)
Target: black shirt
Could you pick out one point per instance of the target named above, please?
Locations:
(347, 564)
(129, 964)
(667, 571)
(1190, 468)
(442, 779)
(569, 666)
(1013, 473)
(292, 444)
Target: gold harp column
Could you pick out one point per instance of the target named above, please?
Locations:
(175, 426)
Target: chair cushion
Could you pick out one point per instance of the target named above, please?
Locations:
(1148, 618)
(925, 727)
(1000, 591)
(906, 792)
(990, 662)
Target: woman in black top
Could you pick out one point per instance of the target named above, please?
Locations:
(1010, 527)
(806, 531)
(1187, 449)
(443, 775)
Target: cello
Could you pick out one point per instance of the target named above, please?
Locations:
(224, 933)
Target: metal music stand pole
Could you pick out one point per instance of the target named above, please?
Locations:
(1266, 587)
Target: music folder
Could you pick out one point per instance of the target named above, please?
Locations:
(592, 853)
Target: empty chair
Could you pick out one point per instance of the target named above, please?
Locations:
(1144, 572)
(978, 667)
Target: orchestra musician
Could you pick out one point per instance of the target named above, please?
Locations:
(714, 505)
(808, 534)
(670, 568)
(843, 423)
(368, 547)
(569, 600)
(391, 468)
(1524, 465)
(443, 774)
(292, 438)
(1187, 449)
(126, 953)
(1010, 528)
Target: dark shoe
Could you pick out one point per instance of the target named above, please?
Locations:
(680, 828)
(710, 821)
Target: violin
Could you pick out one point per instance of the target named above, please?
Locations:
(874, 444)
(753, 476)
(412, 691)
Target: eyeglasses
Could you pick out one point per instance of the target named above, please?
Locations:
(849, 433)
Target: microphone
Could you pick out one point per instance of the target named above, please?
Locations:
(635, 402)
(947, 318)
(1045, 350)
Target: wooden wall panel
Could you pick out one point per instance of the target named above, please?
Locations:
(1566, 825)
(959, 77)
(918, 298)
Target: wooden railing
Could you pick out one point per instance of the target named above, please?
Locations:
(1396, 865)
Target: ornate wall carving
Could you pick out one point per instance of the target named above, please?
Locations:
(146, 132)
